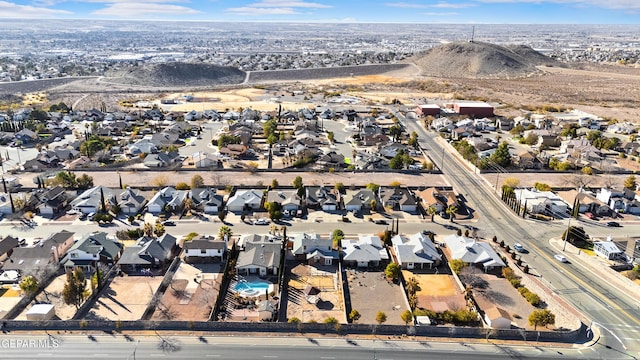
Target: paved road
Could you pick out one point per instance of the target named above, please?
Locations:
(252, 348)
(594, 296)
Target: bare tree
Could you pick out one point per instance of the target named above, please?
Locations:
(578, 180)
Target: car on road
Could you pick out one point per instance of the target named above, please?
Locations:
(613, 224)
(518, 247)
(560, 258)
(57, 139)
(262, 221)
(381, 222)
(168, 223)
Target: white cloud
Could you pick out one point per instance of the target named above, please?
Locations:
(609, 4)
(288, 4)
(440, 5)
(12, 10)
(141, 8)
(276, 7)
(441, 14)
(247, 10)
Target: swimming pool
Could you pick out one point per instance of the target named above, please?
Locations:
(252, 288)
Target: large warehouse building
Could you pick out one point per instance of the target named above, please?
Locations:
(428, 109)
(474, 109)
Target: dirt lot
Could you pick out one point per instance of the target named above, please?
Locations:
(126, 298)
(9, 297)
(370, 292)
(490, 290)
(53, 295)
(191, 295)
(331, 303)
(438, 292)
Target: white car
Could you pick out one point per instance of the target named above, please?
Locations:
(518, 247)
(262, 221)
(560, 258)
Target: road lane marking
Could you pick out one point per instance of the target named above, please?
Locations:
(327, 357)
(212, 355)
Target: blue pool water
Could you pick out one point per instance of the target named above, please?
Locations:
(254, 286)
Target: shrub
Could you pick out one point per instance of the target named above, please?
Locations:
(457, 265)
(331, 320)
(532, 298)
(293, 320)
(182, 186)
(515, 283)
(508, 273)
(523, 291)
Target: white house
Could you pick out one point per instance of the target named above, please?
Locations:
(94, 248)
(366, 251)
(259, 255)
(204, 249)
(245, 200)
(608, 250)
(288, 199)
(313, 248)
(542, 202)
(91, 200)
(415, 251)
(167, 197)
(473, 252)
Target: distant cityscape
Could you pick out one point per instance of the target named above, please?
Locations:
(62, 48)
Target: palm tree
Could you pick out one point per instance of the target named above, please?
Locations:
(451, 211)
(431, 211)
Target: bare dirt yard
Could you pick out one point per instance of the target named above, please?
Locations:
(126, 298)
(191, 295)
(9, 297)
(53, 295)
(438, 292)
(331, 300)
(370, 292)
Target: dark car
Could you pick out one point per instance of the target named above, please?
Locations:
(613, 224)
(381, 222)
(168, 223)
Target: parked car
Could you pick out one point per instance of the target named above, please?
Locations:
(560, 258)
(381, 222)
(168, 223)
(91, 216)
(613, 224)
(589, 215)
(57, 139)
(262, 221)
(518, 247)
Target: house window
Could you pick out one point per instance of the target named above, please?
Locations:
(74, 255)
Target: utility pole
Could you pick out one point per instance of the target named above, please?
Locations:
(442, 162)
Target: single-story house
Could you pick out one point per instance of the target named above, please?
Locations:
(398, 199)
(289, 199)
(130, 201)
(415, 251)
(320, 197)
(206, 200)
(245, 200)
(91, 200)
(167, 198)
(359, 200)
(366, 251)
(474, 252)
(259, 255)
(43, 257)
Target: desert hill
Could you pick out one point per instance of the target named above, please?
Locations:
(177, 74)
(479, 60)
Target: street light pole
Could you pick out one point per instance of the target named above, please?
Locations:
(564, 246)
(134, 349)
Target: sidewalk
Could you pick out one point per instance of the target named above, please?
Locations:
(598, 267)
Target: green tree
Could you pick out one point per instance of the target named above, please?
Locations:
(413, 140)
(412, 285)
(395, 131)
(336, 237)
(272, 139)
(147, 229)
(541, 318)
(587, 170)
(339, 187)
(431, 211)
(159, 229)
(457, 265)
(84, 182)
(531, 139)
(274, 184)
(74, 291)
(406, 316)
(502, 156)
(542, 186)
(297, 182)
(373, 187)
(392, 271)
(451, 211)
(182, 186)
(354, 315)
(381, 317)
(224, 231)
(67, 179)
(97, 279)
(630, 183)
(197, 182)
(29, 284)
(330, 136)
(274, 209)
(577, 236)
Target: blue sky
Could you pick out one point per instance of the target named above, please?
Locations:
(409, 11)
